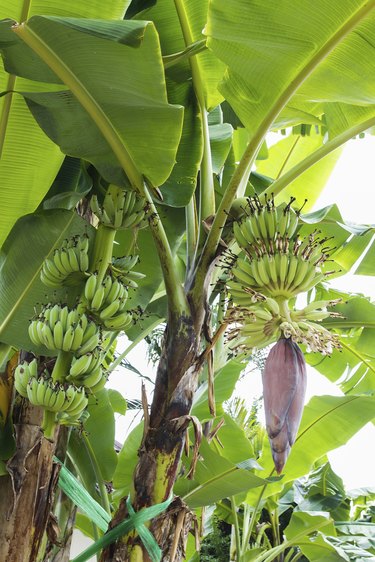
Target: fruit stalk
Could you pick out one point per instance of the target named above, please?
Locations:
(102, 254)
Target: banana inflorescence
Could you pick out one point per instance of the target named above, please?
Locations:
(277, 264)
(121, 209)
(67, 264)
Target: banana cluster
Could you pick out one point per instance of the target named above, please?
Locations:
(107, 301)
(62, 329)
(122, 270)
(284, 268)
(22, 374)
(87, 371)
(42, 391)
(264, 222)
(263, 320)
(56, 397)
(121, 209)
(255, 325)
(68, 263)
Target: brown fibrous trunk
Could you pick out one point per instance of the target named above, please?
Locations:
(27, 492)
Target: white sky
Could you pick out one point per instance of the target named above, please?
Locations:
(352, 187)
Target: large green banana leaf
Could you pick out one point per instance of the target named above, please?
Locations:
(115, 113)
(167, 22)
(354, 364)
(327, 423)
(287, 153)
(322, 50)
(29, 161)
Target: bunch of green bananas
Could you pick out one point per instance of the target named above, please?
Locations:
(289, 268)
(121, 209)
(68, 261)
(87, 371)
(42, 391)
(262, 323)
(256, 325)
(60, 328)
(107, 301)
(263, 222)
(122, 269)
(56, 397)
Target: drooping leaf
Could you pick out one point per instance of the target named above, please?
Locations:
(112, 111)
(327, 423)
(165, 17)
(100, 428)
(273, 51)
(127, 460)
(225, 380)
(117, 401)
(29, 160)
(367, 265)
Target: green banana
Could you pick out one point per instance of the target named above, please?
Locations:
(58, 335)
(90, 286)
(119, 322)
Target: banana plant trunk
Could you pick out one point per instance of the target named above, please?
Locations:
(161, 448)
(27, 493)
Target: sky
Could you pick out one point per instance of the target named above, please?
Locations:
(352, 187)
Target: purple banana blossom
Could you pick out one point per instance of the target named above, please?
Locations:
(284, 387)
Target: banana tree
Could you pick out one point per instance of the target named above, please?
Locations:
(158, 215)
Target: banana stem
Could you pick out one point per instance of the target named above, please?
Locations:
(49, 424)
(62, 365)
(236, 530)
(103, 247)
(284, 309)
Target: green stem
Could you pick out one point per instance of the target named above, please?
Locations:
(236, 528)
(191, 232)
(297, 557)
(275, 551)
(284, 308)
(103, 248)
(247, 535)
(49, 424)
(260, 534)
(279, 184)
(5, 112)
(289, 555)
(245, 527)
(62, 366)
(288, 156)
(98, 474)
(249, 155)
(96, 537)
(177, 302)
(207, 191)
(85, 98)
(134, 343)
